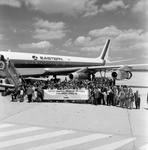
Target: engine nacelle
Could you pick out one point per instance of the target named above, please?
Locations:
(81, 76)
(120, 75)
(77, 75)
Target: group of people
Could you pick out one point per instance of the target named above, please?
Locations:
(31, 92)
(100, 93)
(122, 96)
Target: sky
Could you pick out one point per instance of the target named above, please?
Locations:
(76, 27)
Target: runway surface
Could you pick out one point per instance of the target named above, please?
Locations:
(67, 126)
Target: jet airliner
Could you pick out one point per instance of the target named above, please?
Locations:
(35, 65)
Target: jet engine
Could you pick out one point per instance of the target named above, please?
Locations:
(120, 75)
(81, 76)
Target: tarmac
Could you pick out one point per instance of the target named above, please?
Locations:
(119, 128)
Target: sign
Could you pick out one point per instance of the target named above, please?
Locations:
(68, 94)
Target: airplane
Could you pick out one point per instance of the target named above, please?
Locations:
(36, 65)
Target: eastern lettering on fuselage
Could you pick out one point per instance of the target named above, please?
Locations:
(48, 58)
(51, 58)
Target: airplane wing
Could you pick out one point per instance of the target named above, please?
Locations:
(112, 67)
(117, 71)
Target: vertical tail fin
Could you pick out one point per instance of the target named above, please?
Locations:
(105, 48)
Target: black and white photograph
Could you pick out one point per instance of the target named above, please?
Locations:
(73, 75)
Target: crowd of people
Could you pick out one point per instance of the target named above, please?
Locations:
(100, 93)
(122, 96)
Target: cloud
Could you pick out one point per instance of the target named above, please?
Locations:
(39, 45)
(107, 31)
(90, 8)
(73, 53)
(138, 46)
(44, 34)
(129, 43)
(12, 3)
(90, 49)
(81, 40)
(66, 7)
(68, 43)
(46, 30)
(50, 25)
(113, 5)
(65, 52)
(129, 36)
(140, 6)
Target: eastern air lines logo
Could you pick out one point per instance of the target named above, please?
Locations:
(35, 57)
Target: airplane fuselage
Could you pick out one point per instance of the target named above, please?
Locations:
(30, 60)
